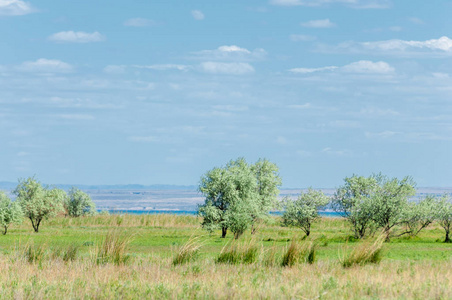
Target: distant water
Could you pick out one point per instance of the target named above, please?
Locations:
(331, 214)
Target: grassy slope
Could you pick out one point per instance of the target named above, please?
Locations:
(411, 268)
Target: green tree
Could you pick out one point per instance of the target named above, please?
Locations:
(38, 202)
(389, 203)
(10, 212)
(268, 183)
(303, 211)
(353, 201)
(444, 216)
(79, 203)
(418, 216)
(238, 195)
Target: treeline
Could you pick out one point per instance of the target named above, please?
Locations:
(37, 203)
(240, 195)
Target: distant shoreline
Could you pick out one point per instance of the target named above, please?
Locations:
(331, 214)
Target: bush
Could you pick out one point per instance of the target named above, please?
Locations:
(365, 252)
(188, 252)
(235, 253)
(35, 253)
(299, 253)
(113, 249)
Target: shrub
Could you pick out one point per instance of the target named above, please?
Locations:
(299, 253)
(365, 252)
(235, 253)
(188, 252)
(113, 249)
(35, 253)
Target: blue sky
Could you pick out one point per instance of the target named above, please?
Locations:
(149, 92)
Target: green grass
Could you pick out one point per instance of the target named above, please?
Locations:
(169, 256)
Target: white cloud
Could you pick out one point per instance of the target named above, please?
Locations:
(226, 68)
(165, 67)
(358, 4)
(443, 44)
(324, 23)
(44, 65)
(139, 22)
(362, 66)
(76, 37)
(302, 38)
(197, 15)
(383, 134)
(231, 52)
(366, 66)
(15, 8)
(312, 70)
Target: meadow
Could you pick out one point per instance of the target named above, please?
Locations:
(68, 259)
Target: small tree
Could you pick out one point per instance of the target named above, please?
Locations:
(230, 194)
(444, 216)
(304, 211)
(390, 202)
(10, 212)
(353, 199)
(418, 216)
(268, 181)
(79, 203)
(38, 203)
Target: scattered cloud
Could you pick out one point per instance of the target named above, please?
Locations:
(383, 135)
(139, 22)
(396, 28)
(226, 68)
(76, 37)
(232, 52)
(366, 66)
(197, 15)
(312, 70)
(377, 112)
(324, 23)
(444, 44)
(15, 8)
(165, 67)
(358, 4)
(44, 65)
(362, 66)
(302, 38)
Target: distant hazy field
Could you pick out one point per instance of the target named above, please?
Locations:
(181, 200)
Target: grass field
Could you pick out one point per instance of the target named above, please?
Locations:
(43, 266)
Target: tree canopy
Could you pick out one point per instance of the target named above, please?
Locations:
(238, 194)
(38, 202)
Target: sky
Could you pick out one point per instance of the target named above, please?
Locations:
(159, 92)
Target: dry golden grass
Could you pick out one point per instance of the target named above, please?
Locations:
(81, 279)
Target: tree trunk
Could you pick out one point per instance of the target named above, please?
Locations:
(6, 229)
(35, 225)
(447, 240)
(253, 229)
(224, 230)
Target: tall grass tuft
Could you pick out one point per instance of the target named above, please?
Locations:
(236, 253)
(113, 249)
(188, 252)
(34, 253)
(299, 253)
(365, 252)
